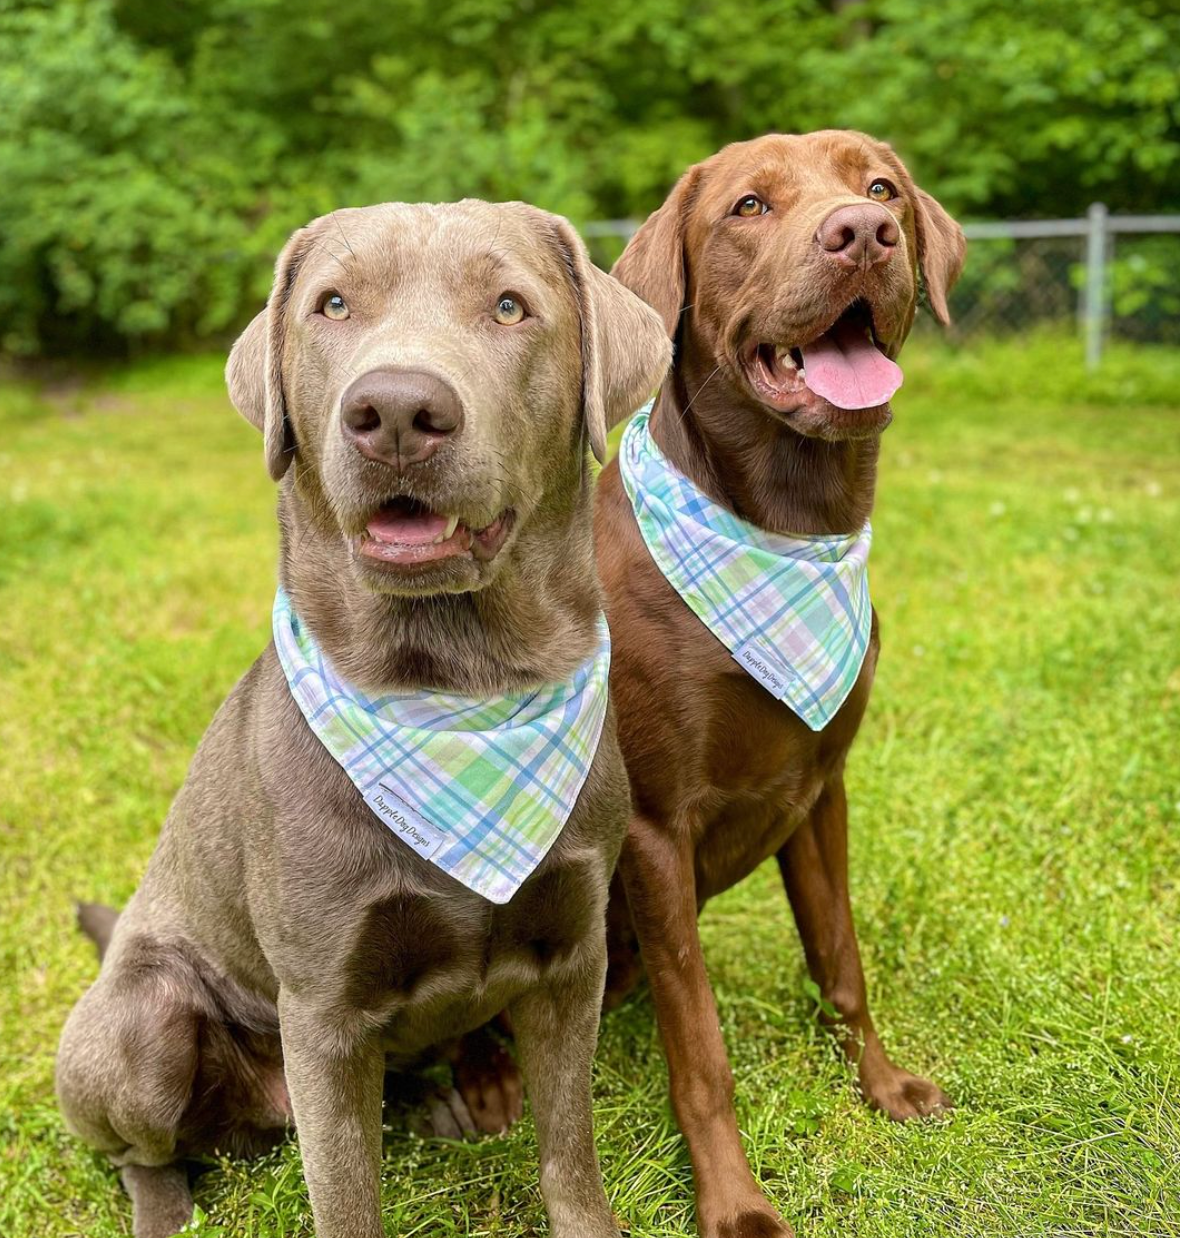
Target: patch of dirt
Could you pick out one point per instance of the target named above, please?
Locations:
(65, 394)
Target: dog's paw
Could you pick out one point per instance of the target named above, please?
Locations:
(904, 1096)
(444, 1115)
(751, 1223)
(489, 1082)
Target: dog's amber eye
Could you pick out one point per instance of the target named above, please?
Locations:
(750, 206)
(335, 308)
(882, 191)
(509, 311)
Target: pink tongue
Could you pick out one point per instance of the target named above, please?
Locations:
(848, 369)
(405, 530)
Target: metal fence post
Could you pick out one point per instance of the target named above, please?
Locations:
(1094, 303)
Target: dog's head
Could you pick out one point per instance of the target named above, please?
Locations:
(431, 375)
(794, 261)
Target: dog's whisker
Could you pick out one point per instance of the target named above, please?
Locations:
(318, 243)
(684, 410)
(340, 229)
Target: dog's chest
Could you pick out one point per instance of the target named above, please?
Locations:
(429, 967)
(764, 771)
(740, 830)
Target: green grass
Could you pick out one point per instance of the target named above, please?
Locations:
(1015, 797)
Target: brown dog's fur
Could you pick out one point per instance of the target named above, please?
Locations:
(283, 942)
(723, 775)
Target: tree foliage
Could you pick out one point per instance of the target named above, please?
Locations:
(153, 156)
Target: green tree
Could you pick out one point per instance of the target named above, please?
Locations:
(154, 156)
(1021, 109)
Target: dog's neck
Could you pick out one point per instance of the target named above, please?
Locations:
(534, 623)
(763, 471)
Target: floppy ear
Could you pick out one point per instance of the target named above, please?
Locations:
(254, 372)
(942, 248)
(625, 350)
(652, 265)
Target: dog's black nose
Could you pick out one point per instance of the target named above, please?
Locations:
(856, 236)
(400, 417)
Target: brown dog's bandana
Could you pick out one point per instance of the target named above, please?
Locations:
(793, 611)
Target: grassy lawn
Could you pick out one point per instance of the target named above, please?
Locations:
(1015, 798)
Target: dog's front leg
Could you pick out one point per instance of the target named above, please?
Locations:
(814, 866)
(661, 889)
(556, 1027)
(334, 1079)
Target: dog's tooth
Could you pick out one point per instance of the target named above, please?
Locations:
(452, 525)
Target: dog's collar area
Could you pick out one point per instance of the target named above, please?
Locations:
(481, 787)
(793, 611)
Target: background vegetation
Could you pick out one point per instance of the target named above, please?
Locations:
(153, 156)
(1015, 806)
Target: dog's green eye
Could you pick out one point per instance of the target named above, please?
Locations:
(882, 191)
(750, 206)
(509, 311)
(335, 308)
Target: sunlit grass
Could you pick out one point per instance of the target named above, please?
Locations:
(1015, 798)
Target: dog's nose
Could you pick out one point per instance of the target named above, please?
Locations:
(859, 236)
(400, 417)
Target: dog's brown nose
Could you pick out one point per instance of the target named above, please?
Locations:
(859, 236)
(400, 417)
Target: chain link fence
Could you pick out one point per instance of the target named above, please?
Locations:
(1102, 276)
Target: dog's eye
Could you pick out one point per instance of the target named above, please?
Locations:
(509, 311)
(882, 191)
(750, 206)
(335, 308)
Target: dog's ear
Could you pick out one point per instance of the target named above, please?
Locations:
(653, 264)
(254, 372)
(942, 248)
(625, 350)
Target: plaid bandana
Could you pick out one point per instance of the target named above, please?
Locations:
(480, 787)
(793, 611)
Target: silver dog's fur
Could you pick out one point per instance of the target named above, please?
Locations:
(283, 941)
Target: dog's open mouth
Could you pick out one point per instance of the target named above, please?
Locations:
(405, 532)
(845, 365)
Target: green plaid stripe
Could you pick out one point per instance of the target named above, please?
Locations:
(793, 611)
(480, 787)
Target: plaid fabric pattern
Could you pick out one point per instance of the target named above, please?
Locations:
(793, 611)
(480, 787)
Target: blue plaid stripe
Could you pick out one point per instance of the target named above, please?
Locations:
(496, 778)
(800, 604)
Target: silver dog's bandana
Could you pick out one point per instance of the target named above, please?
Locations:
(793, 611)
(479, 786)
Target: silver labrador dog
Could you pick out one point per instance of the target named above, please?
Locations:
(438, 371)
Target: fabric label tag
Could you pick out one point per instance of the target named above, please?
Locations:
(406, 822)
(769, 672)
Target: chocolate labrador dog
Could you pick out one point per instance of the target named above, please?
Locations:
(787, 270)
(426, 379)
